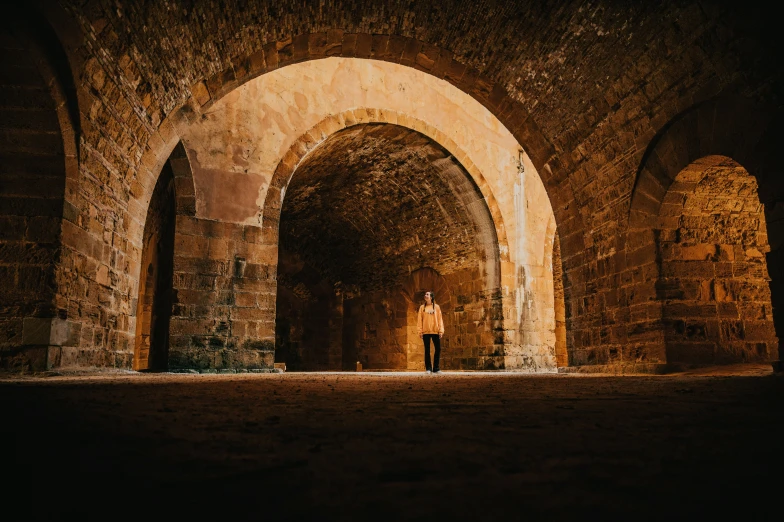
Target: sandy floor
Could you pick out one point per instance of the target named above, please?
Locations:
(396, 446)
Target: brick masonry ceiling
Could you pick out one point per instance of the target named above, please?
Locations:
(610, 101)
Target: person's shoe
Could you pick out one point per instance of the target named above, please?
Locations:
(428, 371)
(436, 371)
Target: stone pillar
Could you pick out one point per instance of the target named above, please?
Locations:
(224, 297)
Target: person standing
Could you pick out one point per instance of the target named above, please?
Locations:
(430, 326)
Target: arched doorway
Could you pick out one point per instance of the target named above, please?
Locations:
(154, 305)
(244, 150)
(714, 279)
(741, 156)
(367, 215)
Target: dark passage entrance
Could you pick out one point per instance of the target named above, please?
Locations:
(371, 219)
(153, 311)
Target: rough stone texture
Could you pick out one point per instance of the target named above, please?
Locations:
(224, 296)
(609, 101)
(376, 332)
(559, 308)
(376, 202)
(408, 447)
(325, 94)
(714, 282)
(36, 150)
(239, 165)
(721, 129)
(364, 212)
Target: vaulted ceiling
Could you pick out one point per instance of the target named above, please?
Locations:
(377, 202)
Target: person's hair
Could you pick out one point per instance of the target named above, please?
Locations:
(432, 298)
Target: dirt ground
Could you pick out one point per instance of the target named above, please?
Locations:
(395, 446)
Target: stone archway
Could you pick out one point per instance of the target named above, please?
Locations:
(493, 233)
(713, 283)
(38, 183)
(324, 129)
(728, 127)
(365, 212)
(172, 200)
(239, 186)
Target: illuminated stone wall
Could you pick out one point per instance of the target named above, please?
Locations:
(714, 280)
(608, 101)
(292, 106)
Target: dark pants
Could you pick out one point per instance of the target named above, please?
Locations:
(437, 343)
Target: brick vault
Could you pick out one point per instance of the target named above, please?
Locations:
(194, 186)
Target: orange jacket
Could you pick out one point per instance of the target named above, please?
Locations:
(430, 321)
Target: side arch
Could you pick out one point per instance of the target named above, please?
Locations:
(38, 181)
(172, 203)
(729, 126)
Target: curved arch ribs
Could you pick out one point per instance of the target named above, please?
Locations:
(332, 124)
(115, 268)
(509, 276)
(252, 247)
(731, 127)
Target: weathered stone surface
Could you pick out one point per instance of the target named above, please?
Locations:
(323, 92)
(363, 213)
(223, 310)
(609, 102)
(719, 214)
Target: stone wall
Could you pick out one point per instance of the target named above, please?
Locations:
(591, 90)
(382, 326)
(376, 331)
(294, 97)
(714, 282)
(744, 135)
(33, 155)
(224, 297)
(474, 336)
(309, 317)
(561, 350)
(319, 330)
